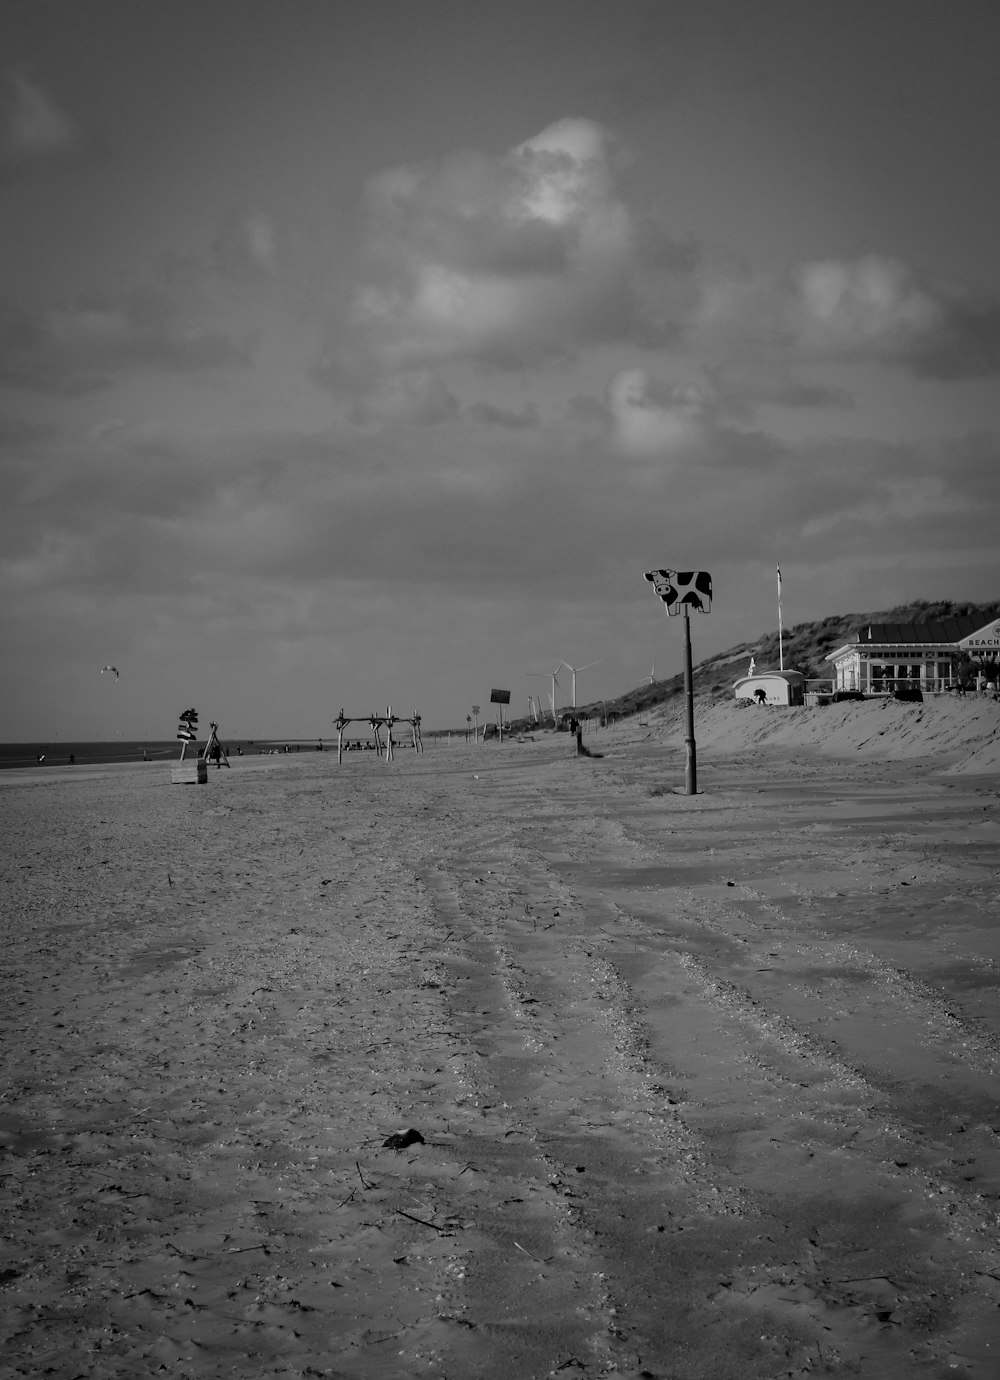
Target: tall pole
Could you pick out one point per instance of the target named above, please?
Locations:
(781, 647)
(690, 769)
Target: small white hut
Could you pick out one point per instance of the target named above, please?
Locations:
(778, 687)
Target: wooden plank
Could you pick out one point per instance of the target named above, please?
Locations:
(190, 773)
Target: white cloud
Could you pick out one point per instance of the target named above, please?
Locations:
(867, 305)
(877, 307)
(655, 419)
(565, 169)
(755, 332)
(506, 260)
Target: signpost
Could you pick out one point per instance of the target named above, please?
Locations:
(681, 591)
(475, 715)
(500, 697)
(196, 771)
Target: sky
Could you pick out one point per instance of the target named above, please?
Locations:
(367, 353)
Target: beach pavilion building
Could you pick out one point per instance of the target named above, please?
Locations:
(885, 658)
(772, 687)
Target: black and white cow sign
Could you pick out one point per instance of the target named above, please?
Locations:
(682, 589)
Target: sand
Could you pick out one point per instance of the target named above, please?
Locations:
(699, 1086)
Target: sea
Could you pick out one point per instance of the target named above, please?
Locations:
(57, 753)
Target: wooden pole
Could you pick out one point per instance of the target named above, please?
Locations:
(691, 769)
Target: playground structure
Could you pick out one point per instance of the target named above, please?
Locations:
(377, 723)
(213, 750)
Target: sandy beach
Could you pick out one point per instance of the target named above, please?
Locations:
(503, 1062)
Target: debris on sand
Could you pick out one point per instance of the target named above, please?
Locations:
(402, 1140)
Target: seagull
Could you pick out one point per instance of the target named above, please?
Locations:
(110, 668)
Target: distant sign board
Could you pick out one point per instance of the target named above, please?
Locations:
(499, 697)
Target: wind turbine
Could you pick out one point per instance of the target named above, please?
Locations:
(574, 670)
(554, 676)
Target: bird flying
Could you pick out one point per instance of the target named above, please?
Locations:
(110, 668)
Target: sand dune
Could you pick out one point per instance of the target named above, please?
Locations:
(962, 733)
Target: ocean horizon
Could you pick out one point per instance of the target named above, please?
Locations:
(55, 752)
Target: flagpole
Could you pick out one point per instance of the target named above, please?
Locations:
(781, 649)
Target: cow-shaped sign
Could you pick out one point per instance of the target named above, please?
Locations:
(682, 589)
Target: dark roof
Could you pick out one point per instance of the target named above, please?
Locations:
(937, 630)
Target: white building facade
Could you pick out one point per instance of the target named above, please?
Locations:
(887, 658)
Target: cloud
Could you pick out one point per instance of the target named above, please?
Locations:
(655, 419)
(54, 559)
(891, 501)
(34, 127)
(507, 260)
(79, 348)
(868, 305)
(877, 308)
(765, 339)
(488, 414)
(119, 507)
(418, 398)
(745, 381)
